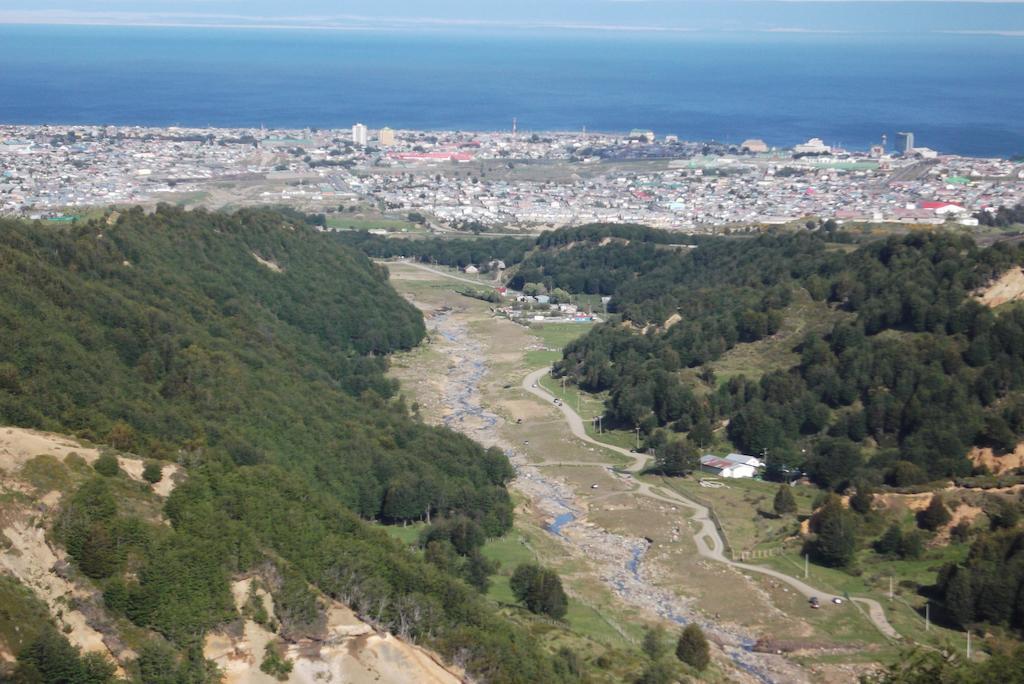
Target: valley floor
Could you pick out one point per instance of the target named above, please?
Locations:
(632, 552)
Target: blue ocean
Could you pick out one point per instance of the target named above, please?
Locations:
(958, 93)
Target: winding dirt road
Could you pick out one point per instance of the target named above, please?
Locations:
(709, 542)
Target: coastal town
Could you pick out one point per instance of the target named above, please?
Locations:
(501, 181)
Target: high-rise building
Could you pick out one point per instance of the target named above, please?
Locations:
(386, 137)
(910, 147)
(360, 135)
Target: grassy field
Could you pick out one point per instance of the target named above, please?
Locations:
(741, 505)
(357, 222)
(556, 335)
(804, 316)
(745, 509)
(409, 534)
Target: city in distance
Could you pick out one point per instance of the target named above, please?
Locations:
(558, 342)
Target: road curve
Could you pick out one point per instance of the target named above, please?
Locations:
(709, 541)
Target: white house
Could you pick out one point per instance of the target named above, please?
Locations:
(723, 467)
(752, 461)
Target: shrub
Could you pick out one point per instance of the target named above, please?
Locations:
(153, 472)
(106, 465)
(274, 664)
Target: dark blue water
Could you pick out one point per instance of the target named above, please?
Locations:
(958, 93)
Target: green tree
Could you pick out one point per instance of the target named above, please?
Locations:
(662, 671)
(654, 642)
(1003, 514)
(678, 457)
(692, 647)
(122, 436)
(935, 515)
(539, 589)
(837, 536)
(959, 596)
(912, 545)
(784, 502)
(862, 498)
(905, 474)
(560, 296)
(891, 541)
(51, 659)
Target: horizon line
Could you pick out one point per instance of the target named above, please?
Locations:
(357, 23)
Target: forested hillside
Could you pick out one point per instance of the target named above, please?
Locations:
(250, 349)
(913, 373)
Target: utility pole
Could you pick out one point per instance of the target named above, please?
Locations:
(890, 588)
(928, 619)
(578, 402)
(637, 428)
(968, 644)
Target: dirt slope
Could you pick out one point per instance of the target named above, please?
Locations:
(352, 652)
(1009, 287)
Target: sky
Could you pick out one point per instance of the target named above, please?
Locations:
(882, 16)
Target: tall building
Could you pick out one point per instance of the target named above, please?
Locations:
(909, 149)
(360, 135)
(386, 137)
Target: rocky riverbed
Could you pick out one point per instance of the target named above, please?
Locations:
(620, 559)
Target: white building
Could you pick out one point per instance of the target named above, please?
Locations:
(728, 467)
(755, 145)
(812, 146)
(360, 135)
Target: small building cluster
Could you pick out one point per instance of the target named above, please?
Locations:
(731, 466)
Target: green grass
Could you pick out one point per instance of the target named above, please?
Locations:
(589, 406)
(873, 582)
(408, 534)
(516, 548)
(47, 473)
(22, 615)
(556, 335)
(803, 316)
(355, 222)
(510, 550)
(737, 504)
(537, 358)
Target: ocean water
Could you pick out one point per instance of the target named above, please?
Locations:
(958, 93)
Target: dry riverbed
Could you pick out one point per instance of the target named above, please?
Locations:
(458, 397)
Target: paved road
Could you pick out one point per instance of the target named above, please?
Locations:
(709, 542)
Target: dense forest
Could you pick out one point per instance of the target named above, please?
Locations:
(913, 372)
(250, 349)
